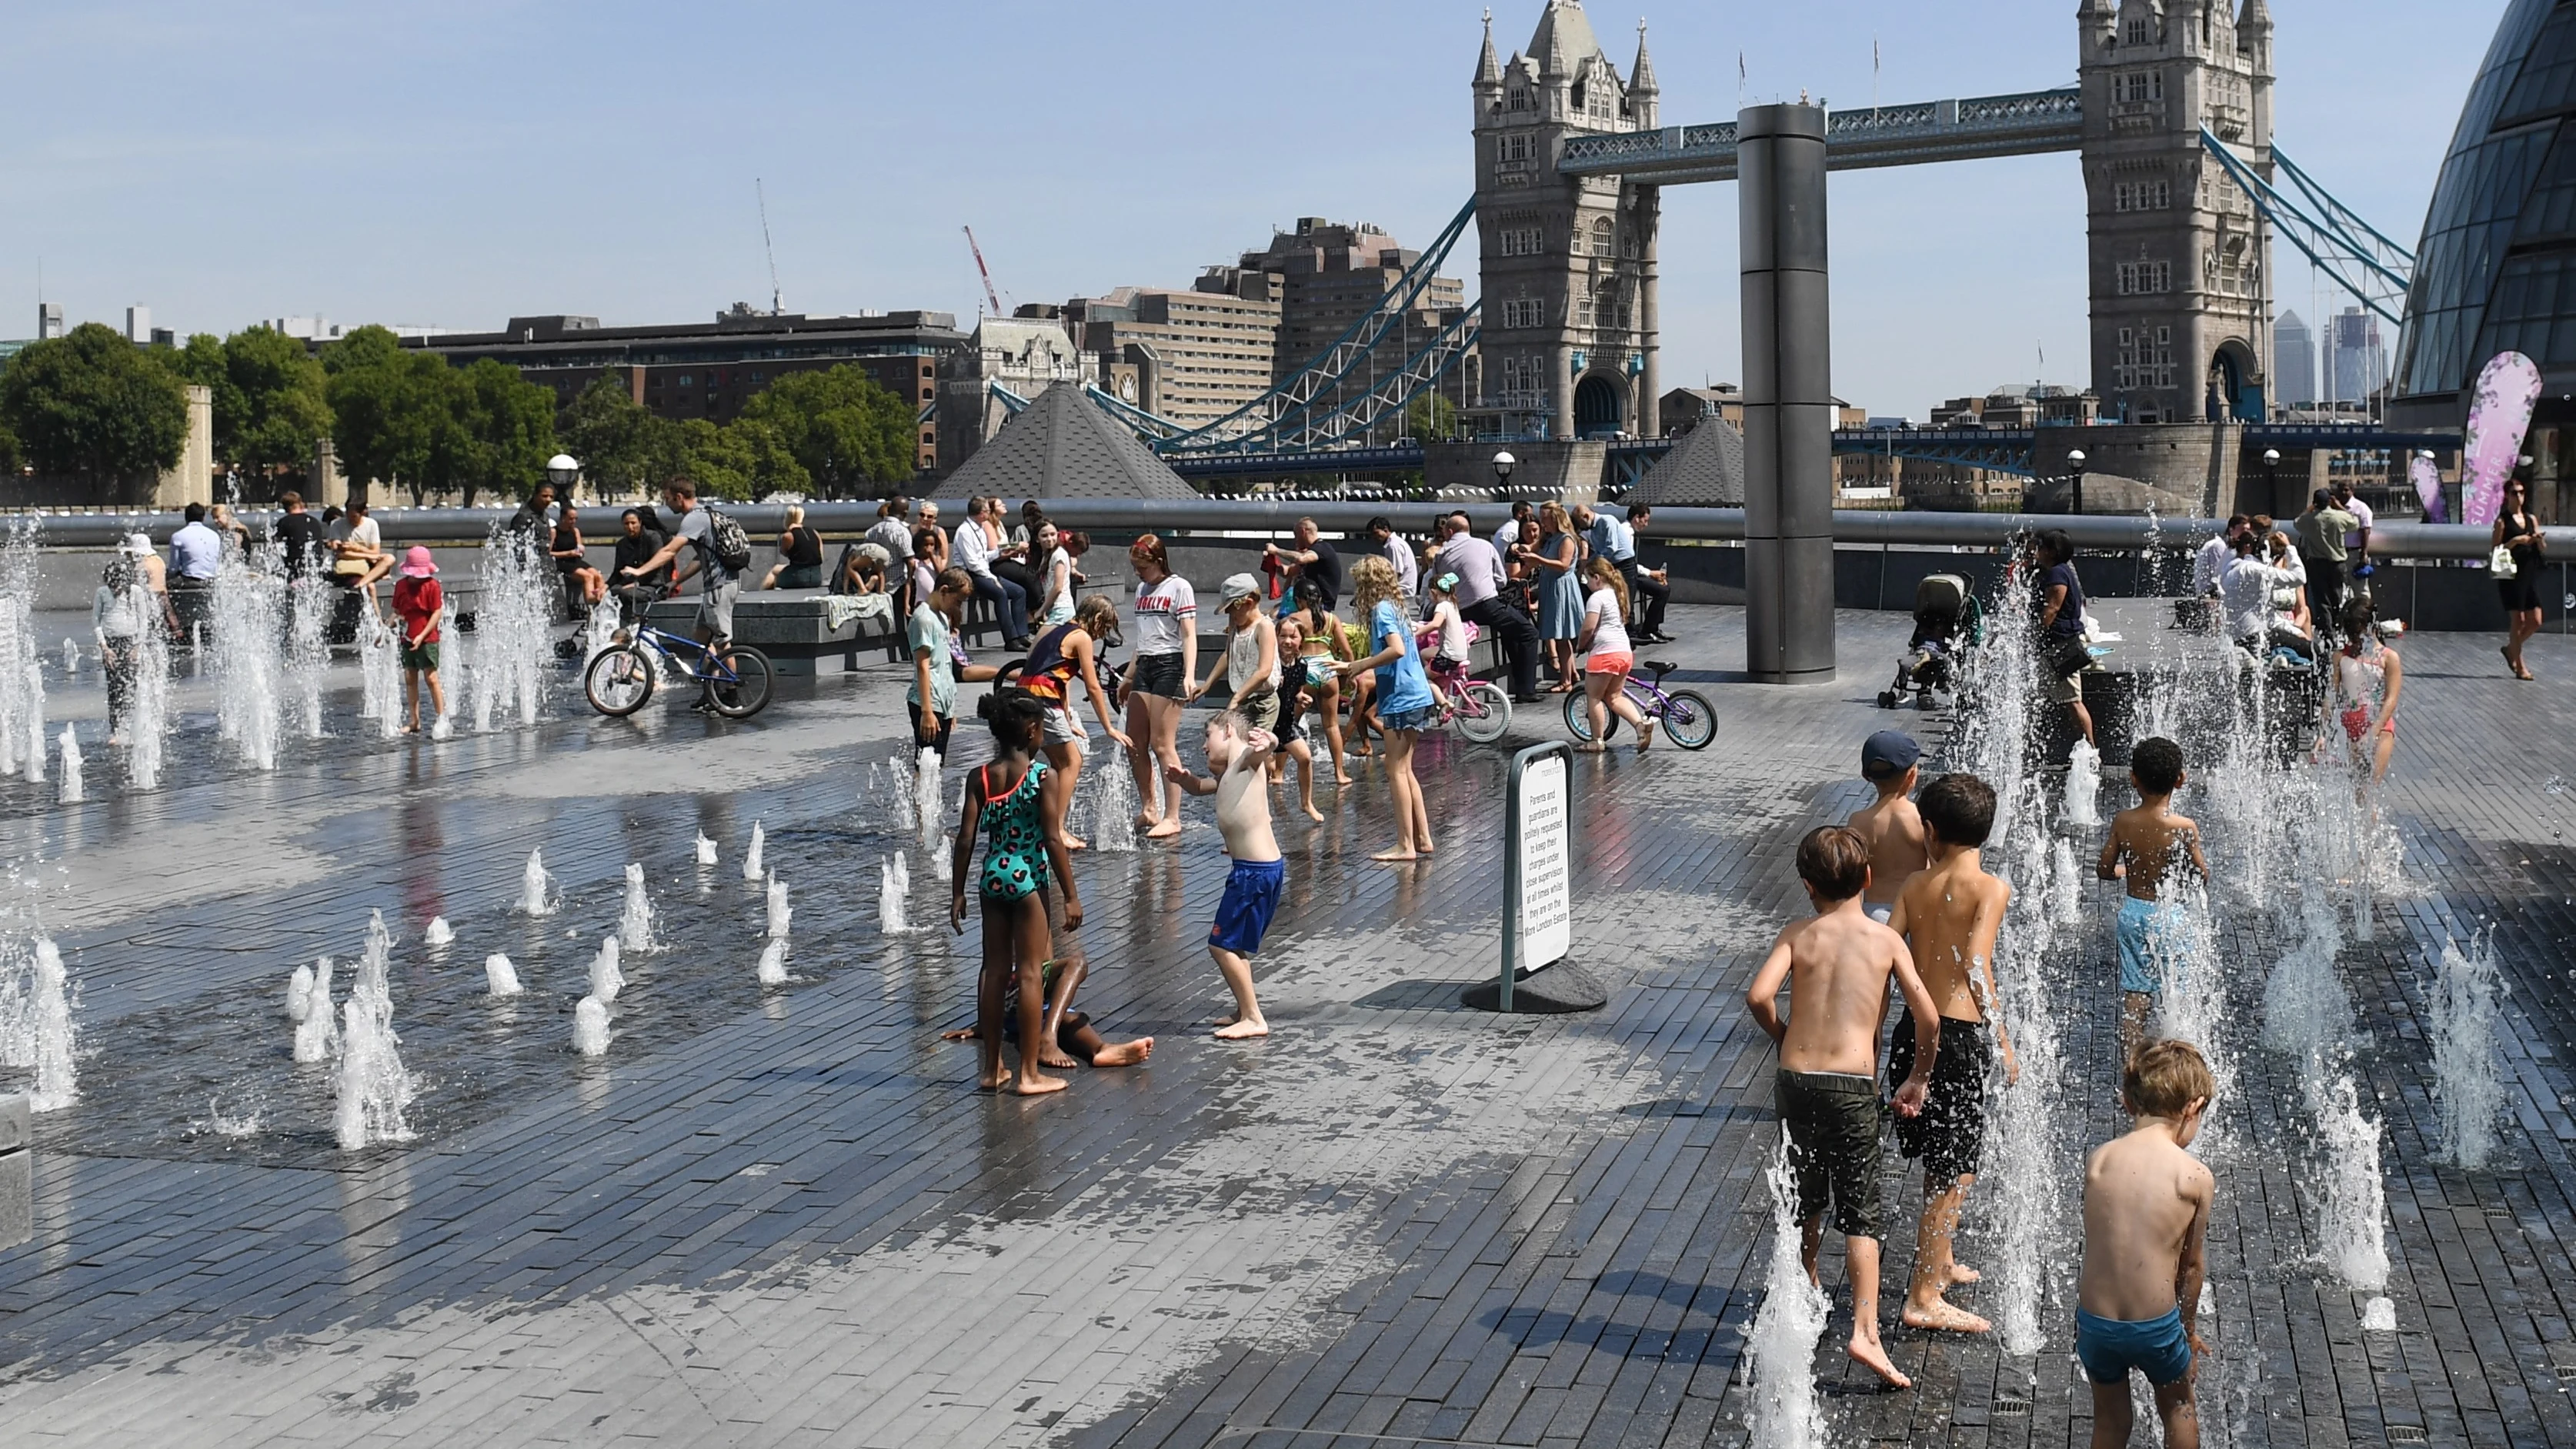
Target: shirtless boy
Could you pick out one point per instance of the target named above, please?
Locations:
(1891, 828)
(1240, 755)
(1837, 966)
(2146, 1216)
(2146, 841)
(1948, 914)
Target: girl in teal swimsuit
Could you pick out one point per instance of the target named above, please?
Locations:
(1018, 863)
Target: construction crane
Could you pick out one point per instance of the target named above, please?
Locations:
(776, 308)
(983, 271)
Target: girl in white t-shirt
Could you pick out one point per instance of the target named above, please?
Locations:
(1167, 657)
(1608, 660)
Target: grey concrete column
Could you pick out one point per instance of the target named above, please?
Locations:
(1788, 396)
(1648, 417)
(1560, 383)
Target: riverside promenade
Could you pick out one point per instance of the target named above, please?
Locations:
(782, 1215)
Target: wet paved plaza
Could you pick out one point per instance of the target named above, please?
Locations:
(774, 1215)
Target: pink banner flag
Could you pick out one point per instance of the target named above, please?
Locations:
(2428, 486)
(2507, 388)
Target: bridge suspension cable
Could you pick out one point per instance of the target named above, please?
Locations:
(2332, 236)
(1338, 393)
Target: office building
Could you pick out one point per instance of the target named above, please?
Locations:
(1328, 275)
(1192, 357)
(49, 320)
(2294, 362)
(138, 325)
(709, 369)
(1025, 356)
(2360, 364)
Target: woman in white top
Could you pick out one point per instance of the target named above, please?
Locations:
(2247, 591)
(1055, 576)
(1167, 659)
(1608, 658)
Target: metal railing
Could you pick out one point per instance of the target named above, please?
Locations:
(1116, 516)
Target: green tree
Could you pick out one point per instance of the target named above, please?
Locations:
(393, 420)
(505, 427)
(621, 447)
(746, 460)
(93, 406)
(852, 437)
(271, 405)
(1430, 418)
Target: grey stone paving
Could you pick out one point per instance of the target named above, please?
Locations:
(783, 1216)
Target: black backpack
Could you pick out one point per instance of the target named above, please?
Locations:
(726, 540)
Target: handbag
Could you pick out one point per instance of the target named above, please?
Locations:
(2500, 563)
(2068, 656)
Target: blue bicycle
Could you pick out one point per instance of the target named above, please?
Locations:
(617, 683)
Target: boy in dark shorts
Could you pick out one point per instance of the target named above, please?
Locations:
(2147, 1204)
(1240, 755)
(1836, 965)
(1949, 913)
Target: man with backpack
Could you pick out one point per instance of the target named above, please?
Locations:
(723, 552)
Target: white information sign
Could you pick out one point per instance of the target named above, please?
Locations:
(1547, 872)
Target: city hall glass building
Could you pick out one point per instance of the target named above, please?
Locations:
(2496, 269)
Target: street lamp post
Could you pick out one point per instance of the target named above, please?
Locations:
(1504, 463)
(2271, 485)
(562, 471)
(2075, 460)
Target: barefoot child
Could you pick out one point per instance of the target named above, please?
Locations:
(1837, 966)
(2147, 1203)
(1292, 716)
(1894, 832)
(417, 600)
(1076, 1039)
(1948, 913)
(1004, 798)
(2146, 841)
(1403, 699)
(1240, 755)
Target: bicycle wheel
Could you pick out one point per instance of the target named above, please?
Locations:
(1578, 717)
(747, 693)
(619, 681)
(1689, 720)
(1484, 711)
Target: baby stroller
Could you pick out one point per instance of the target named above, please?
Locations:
(1946, 625)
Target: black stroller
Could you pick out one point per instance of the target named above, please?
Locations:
(1947, 623)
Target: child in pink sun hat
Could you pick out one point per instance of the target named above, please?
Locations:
(417, 601)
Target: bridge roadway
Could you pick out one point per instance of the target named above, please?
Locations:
(774, 1217)
(2022, 124)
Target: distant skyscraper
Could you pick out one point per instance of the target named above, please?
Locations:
(138, 324)
(2294, 361)
(49, 319)
(2360, 362)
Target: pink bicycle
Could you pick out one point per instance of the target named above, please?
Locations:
(1479, 708)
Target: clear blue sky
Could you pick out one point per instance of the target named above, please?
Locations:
(454, 164)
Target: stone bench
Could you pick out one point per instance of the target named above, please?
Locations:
(790, 626)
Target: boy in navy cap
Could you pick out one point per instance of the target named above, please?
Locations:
(1889, 760)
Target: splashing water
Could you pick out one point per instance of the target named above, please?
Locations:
(590, 1027)
(925, 805)
(299, 994)
(605, 979)
(1113, 810)
(1781, 1343)
(73, 791)
(899, 801)
(599, 630)
(308, 654)
(374, 1088)
(891, 885)
(71, 657)
(2352, 1228)
(147, 722)
(439, 933)
(773, 962)
(536, 887)
(35, 720)
(501, 978)
(49, 1021)
(2065, 887)
(751, 867)
(902, 875)
(249, 605)
(778, 908)
(2466, 992)
(513, 630)
(940, 866)
(317, 1035)
(22, 681)
(372, 985)
(2083, 786)
(2379, 1315)
(706, 851)
(2192, 1005)
(379, 674)
(635, 923)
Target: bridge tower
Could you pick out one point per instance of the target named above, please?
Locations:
(2181, 276)
(1568, 262)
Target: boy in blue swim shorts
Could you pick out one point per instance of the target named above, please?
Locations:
(2147, 1203)
(1240, 756)
(2147, 839)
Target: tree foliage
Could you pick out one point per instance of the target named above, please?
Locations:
(622, 447)
(852, 437)
(405, 418)
(1430, 418)
(269, 396)
(92, 406)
